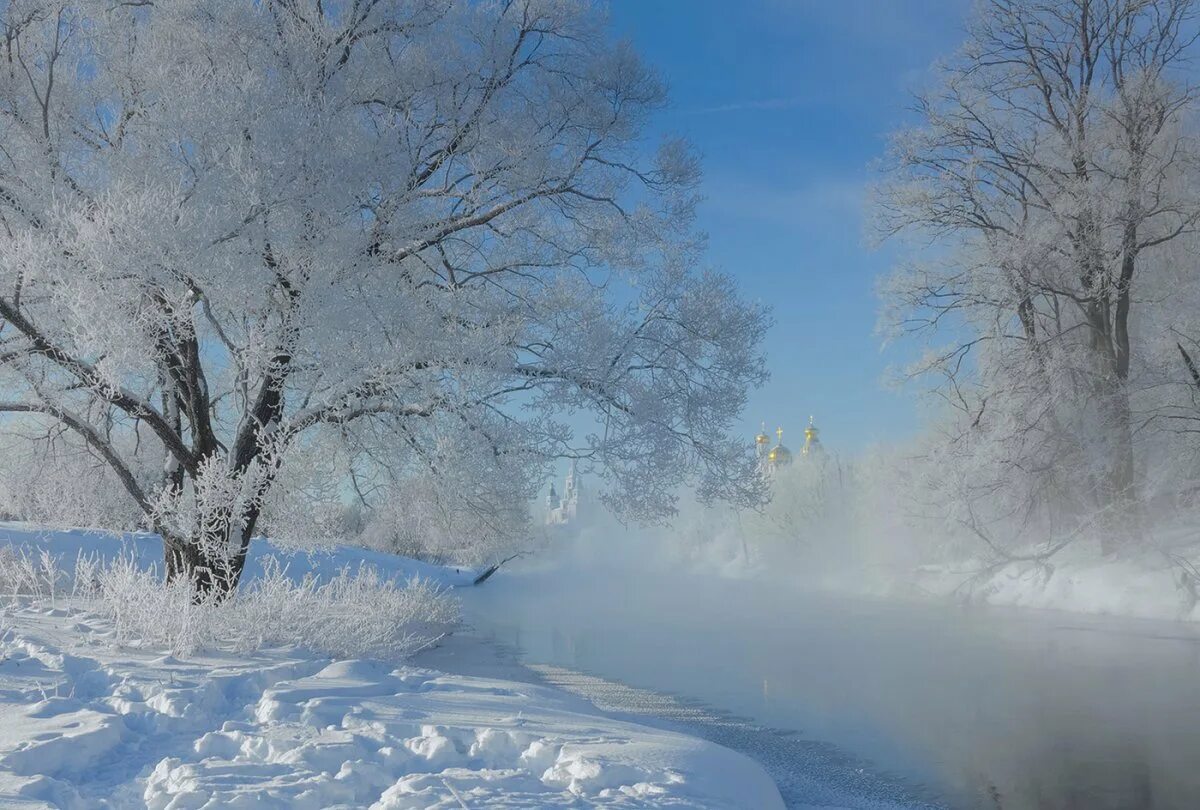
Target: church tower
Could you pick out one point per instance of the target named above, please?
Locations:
(761, 444)
(570, 501)
(565, 510)
(779, 456)
(770, 459)
(812, 444)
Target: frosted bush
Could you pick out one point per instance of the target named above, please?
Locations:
(146, 610)
(25, 573)
(355, 613)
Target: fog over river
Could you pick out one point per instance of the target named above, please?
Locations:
(877, 703)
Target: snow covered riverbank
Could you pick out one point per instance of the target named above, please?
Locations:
(87, 721)
(66, 545)
(1149, 587)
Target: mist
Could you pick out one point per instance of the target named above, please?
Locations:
(839, 630)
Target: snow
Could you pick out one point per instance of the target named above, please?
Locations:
(65, 545)
(1133, 588)
(88, 722)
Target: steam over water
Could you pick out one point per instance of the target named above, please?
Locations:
(925, 704)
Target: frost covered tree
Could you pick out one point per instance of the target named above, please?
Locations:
(46, 480)
(1055, 161)
(428, 233)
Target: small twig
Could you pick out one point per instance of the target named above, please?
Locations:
(454, 793)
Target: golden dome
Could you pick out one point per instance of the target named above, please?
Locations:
(811, 442)
(779, 454)
(762, 437)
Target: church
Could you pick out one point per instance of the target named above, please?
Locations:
(572, 507)
(771, 459)
(565, 510)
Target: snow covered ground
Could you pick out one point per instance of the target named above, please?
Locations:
(86, 722)
(1146, 588)
(66, 545)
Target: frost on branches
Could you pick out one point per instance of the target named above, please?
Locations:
(261, 250)
(1054, 171)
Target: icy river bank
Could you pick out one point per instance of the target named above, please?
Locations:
(869, 704)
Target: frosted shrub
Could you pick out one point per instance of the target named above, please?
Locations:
(25, 573)
(146, 610)
(357, 612)
(354, 613)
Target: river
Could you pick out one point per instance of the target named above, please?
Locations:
(864, 703)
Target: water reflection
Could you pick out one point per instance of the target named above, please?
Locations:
(997, 710)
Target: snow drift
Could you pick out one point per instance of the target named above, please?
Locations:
(92, 718)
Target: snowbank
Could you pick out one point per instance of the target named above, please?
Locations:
(67, 544)
(1114, 587)
(86, 721)
(84, 724)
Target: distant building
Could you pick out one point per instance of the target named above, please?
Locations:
(565, 510)
(812, 444)
(770, 459)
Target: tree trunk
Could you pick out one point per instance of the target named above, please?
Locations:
(213, 575)
(1123, 524)
(185, 559)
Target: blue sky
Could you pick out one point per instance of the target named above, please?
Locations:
(789, 103)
